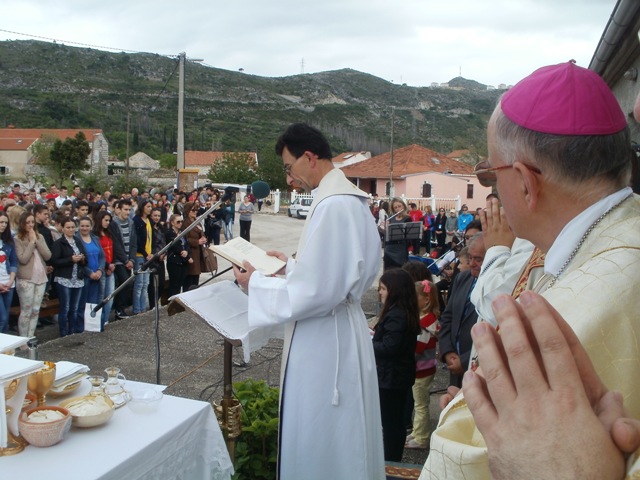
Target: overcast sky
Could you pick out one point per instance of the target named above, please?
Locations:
(405, 41)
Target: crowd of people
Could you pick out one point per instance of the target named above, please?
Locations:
(77, 248)
(437, 231)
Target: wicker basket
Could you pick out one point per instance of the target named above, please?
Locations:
(47, 433)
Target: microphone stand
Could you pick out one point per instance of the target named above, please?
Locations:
(145, 266)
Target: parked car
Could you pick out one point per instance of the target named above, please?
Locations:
(299, 207)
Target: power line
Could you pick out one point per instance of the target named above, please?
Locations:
(57, 40)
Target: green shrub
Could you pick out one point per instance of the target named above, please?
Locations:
(256, 452)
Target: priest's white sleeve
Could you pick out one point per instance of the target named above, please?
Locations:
(341, 257)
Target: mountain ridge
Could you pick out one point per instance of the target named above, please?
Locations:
(48, 85)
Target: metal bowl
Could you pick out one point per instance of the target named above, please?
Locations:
(77, 407)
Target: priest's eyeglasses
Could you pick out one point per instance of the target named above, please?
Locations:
(288, 166)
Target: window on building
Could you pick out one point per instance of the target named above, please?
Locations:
(470, 190)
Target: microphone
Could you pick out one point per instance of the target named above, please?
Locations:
(260, 189)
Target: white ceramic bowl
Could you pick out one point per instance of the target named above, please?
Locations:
(144, 400)
(44, 434)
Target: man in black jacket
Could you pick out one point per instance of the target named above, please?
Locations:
(460, 315)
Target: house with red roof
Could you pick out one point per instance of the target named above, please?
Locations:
(418, 172)
(202, 160)
(349, 158)
(16, 148)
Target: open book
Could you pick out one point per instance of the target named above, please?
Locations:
(238, 250)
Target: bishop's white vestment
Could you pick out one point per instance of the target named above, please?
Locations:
(597, 295)
(330, 424)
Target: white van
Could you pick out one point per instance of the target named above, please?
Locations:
(299, 207)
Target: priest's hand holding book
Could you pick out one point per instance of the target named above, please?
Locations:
(243, 275)
(239, 253)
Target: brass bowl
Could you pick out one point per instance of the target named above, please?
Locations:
(89, 420)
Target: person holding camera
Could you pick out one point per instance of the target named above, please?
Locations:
(68, 258)
(32, 252)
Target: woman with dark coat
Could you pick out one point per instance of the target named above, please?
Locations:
(195, 239)
(394, 343)
(68, 258)
(440, 228)
(178, 256)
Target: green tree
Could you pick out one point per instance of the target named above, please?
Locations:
(167, 160)
(41, 150)
(270, 168)
(69, 156)
(237, 168)
(122, 184)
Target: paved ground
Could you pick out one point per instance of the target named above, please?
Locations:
(190, 351)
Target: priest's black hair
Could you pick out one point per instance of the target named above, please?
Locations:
(300, 137)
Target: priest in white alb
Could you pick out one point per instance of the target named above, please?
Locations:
(330, 424)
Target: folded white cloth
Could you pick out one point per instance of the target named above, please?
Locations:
(11, 342)
(66, 371)
(10, 368)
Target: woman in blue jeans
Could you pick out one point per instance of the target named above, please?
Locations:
(94, 267)
(144, 243)
(68, 258)
(8, 270)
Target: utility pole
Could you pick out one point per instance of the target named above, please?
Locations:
(127, 160)
(391, 186)
(180, 159)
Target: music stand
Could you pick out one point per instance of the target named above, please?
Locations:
(403, 232)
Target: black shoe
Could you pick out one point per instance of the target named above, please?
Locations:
(48, 321)
(121, 314)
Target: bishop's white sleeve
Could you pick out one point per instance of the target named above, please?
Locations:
(501, 269)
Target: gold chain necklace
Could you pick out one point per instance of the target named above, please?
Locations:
(582, 240)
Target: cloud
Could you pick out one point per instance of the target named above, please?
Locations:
(412, 41)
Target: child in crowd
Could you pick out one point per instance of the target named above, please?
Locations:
(426, 363)
(394, 343)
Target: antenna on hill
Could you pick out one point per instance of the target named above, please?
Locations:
(460, 75)
(302, 66)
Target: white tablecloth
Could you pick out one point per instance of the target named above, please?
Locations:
(182, 440)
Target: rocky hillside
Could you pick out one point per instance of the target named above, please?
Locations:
(54, 86)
